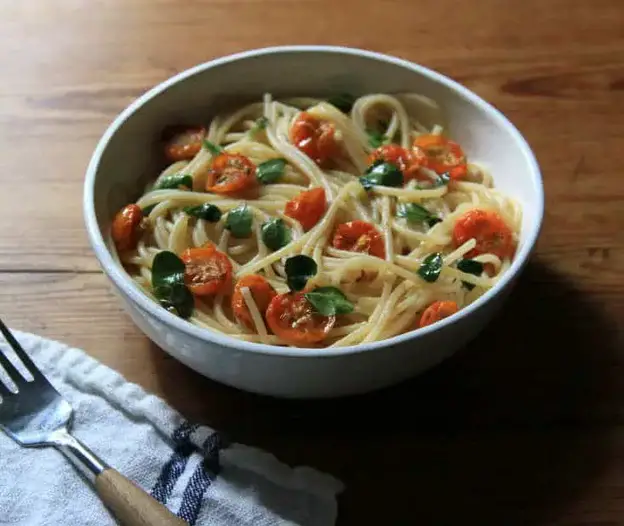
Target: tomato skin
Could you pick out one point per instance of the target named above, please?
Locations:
(126, 228)
(442, 155)
(314, 137)
(262, 293)
(405, 160)
(488, 228)
(291, 317)
(359, 236)
(230, 173)
(183, 142)
(208, 271)
(308, 207)
(437, 311)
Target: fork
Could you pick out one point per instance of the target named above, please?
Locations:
(38, 416)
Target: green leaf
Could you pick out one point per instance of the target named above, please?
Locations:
(342, 101)
(206, 211)
(275, 234)
(376, 138)
(470, 266)
(270, 171)
(431, 267)
(174, 181)
(168, 284)
(415, 213)
(329, 301)
(299, 269)
(176, 298)
(381, 173)
(148, 209)
(261, 123)
(212, 148)
(238, 221)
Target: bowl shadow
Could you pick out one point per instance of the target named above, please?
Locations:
(510, 430)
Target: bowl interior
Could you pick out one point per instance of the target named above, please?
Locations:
(128, 156)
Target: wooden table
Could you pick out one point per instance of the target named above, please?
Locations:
(524, 426)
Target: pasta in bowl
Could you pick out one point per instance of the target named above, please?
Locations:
(389, 222)
(303, 242)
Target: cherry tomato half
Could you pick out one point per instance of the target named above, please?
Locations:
(230, 173)
(262, 293)
(291, 317)
(437, 311)
(183, 142)
(492, 234)
(443, 155)
(307, 208)
(314, 137)
(359, 236)
(126, 228)
(208, 271)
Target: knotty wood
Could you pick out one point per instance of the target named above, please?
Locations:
(516, 429)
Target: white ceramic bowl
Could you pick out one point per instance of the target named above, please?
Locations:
(125, 159)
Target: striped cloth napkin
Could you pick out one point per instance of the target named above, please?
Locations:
(188, 467)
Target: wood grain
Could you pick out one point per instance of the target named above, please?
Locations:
(525, 425)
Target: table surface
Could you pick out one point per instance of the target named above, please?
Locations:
(523, 426)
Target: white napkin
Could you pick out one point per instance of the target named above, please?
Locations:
(185, 466)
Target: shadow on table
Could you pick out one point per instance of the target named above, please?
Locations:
(499, 434)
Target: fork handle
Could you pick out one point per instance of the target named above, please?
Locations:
(130, 504)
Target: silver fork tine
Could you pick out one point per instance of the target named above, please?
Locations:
(21, 354)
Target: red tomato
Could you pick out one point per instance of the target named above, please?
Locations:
(291, 317)
(126, 227)
(183, 142)
(314, 137)
(307, 208)
(262, 293)
(359, 236)
(208, 271)
(407, 161)
(437, 311)
(443, 155)
(230, 173)
(492, 234)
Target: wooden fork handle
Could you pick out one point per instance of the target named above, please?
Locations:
(130, 504)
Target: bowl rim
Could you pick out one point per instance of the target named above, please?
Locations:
(124, 283)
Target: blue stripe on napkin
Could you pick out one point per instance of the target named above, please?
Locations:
(205, 473)
(175, 466)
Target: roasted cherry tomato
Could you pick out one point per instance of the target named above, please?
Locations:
(314, 137)
(443, 155)
(307, 208)
(262, 293)
(291, 317)
(230, 174)
(407, 161)
(492, 234)
(359, 236)
(208, 271)
(126, 229)
(437, 311)
(183, 142)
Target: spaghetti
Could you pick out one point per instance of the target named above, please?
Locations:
(308, 223)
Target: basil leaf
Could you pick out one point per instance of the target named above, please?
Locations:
(212, 148)
(238, 221)
(261, 123)
(443, 179)
(329, 301)
(173, 182)
(168, 284)
(342, 101)
(431, 267)
(376, 138)
(275, 234)
(470, 266)
(176, 298)
(381, 173)
(299, 269)
(270, 171)
(148, 209)
(206, 211)
(417, 214)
